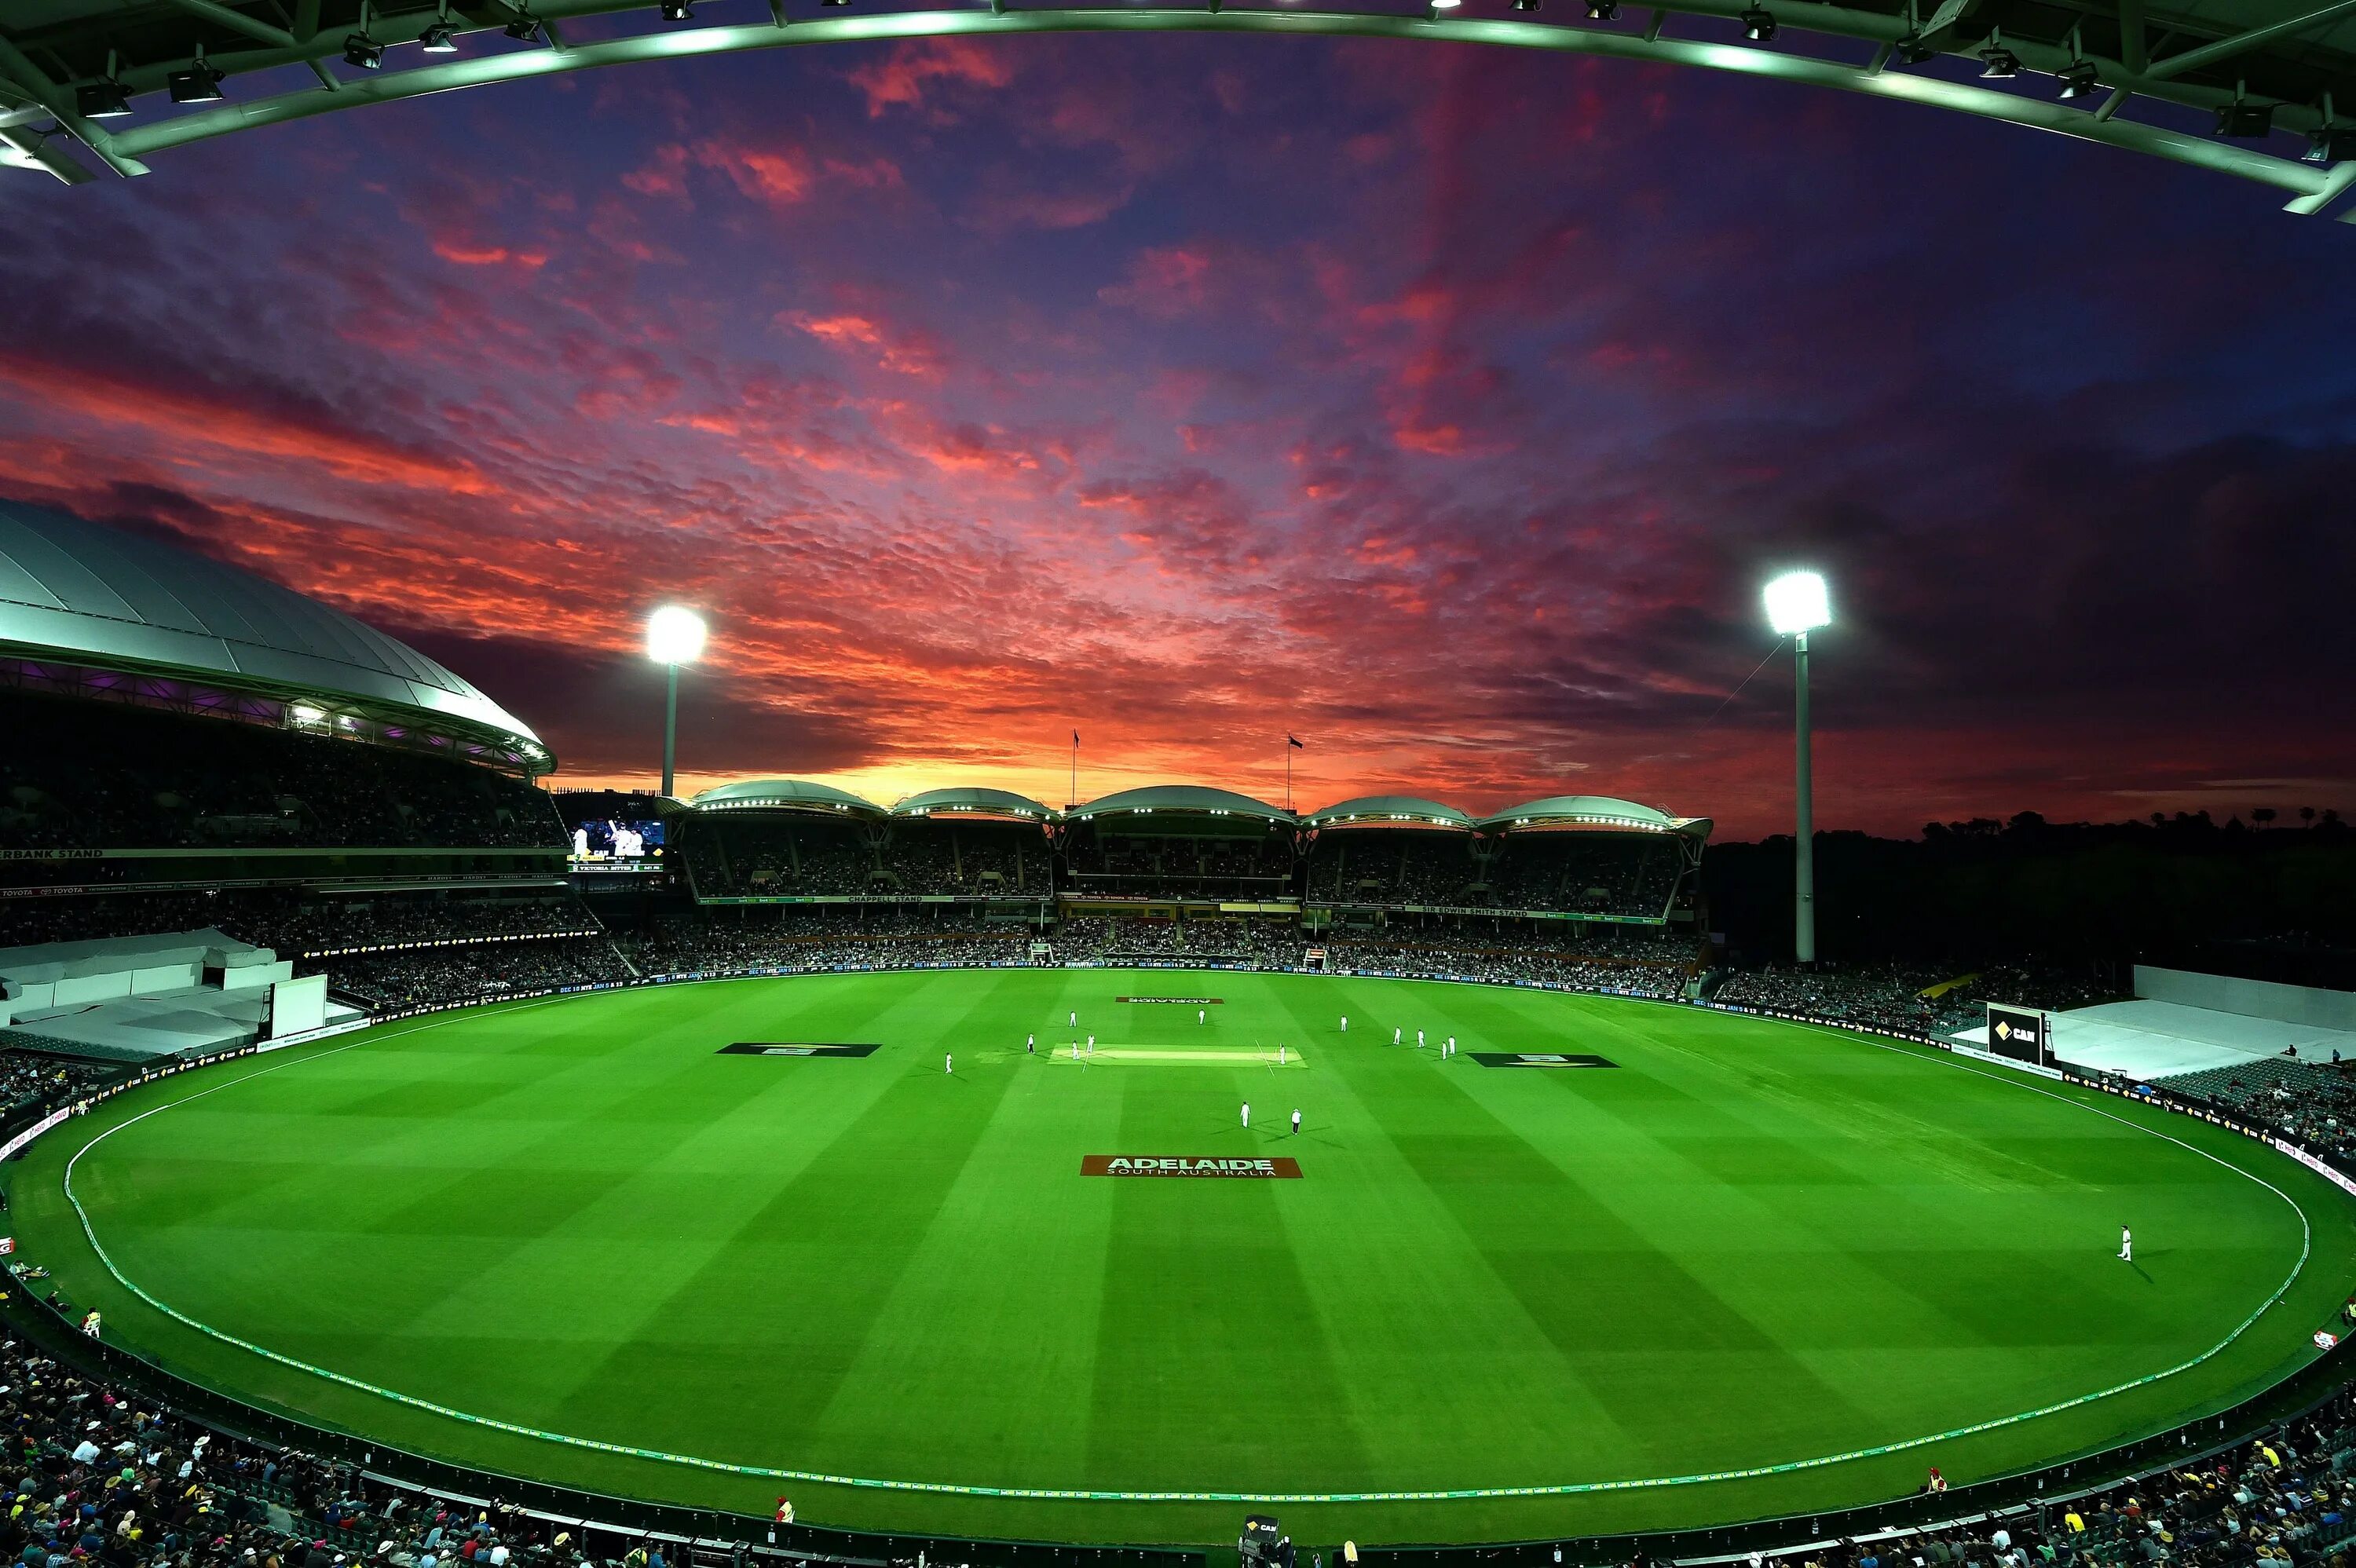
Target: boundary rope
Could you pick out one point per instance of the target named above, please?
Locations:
(1566, 1489)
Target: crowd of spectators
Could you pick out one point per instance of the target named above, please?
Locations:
(1584, 872)
(1916, 999)
(1127, 865)
(1381, 867)
(73, 776)
(968, 859)
(296, 924)
(749, 855)
(98, 1474)
(302, 928)
(29, 1082)
(2311, 1104)
(2282, 1501)
(388, 981)
(1631, 960)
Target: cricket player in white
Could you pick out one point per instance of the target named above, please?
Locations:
(1346, 1023)
(1395, 1037)
(1076, 1018)
(1202, 1015)
(2127, 1245)
(1246, 1116)
(1419, 1040)
(949, 1062)
(1296, 1122)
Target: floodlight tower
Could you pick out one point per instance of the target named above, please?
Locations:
(1797, 605)
(674, 637)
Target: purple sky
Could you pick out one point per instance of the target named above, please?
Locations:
(1445, 406)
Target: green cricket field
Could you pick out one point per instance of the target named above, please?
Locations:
(1698, 1267)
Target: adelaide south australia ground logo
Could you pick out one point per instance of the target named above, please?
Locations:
(1279, 1168)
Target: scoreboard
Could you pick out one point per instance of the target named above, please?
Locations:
(2020, 1033)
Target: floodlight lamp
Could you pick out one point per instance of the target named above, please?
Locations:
(1998, 62)
(674, 635)
(1759, 25)
(1602, 10)
(524, 29)
(2332, 145)
(200, 83)
(677, 11)
(362, 52)
(1440, 5)
(2243, 118)
(1526, 5)
(438, 39)
(102, 100)
(1915, 51)
(1796, 602)
(2078, 81)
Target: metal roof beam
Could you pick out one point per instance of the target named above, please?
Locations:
(2134, 52)
(28, 79)
(2226, 48)
(2301, 179)
(237, 21)
(33, 148)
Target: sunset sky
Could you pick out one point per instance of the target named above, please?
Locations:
(1445, 407)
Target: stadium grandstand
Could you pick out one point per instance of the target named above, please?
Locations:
(212, 783)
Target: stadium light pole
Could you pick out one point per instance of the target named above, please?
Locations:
(1797, 605)
(674, 637)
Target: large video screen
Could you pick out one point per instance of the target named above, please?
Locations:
(618, 842)
(2018, 1032)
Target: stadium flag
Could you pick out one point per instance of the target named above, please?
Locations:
(1295, 740)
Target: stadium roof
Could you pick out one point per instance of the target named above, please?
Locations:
(979, 802)
(77, 593)
(1601, 811)
(2279, 64)
(1389, 811)
(1187, 800)
(784, 794)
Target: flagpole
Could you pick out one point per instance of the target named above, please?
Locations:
(1073, 797)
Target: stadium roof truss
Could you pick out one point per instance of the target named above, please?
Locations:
(1392, 810)
(96, 613)
(974, 804)
(1593, 813)
(2142, 75)
(1187, 809)
(788, 795)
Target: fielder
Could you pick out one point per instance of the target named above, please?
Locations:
(949, 1062)
(1246, 1116)
(1395, 1037)
(2127, 1245)
(1296, 1122)
(1346, 1023)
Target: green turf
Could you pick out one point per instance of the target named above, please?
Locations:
(1748, 1244)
